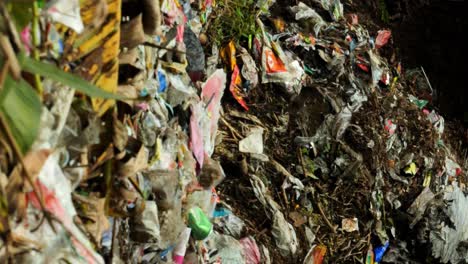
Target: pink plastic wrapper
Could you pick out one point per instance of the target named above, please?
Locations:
(212, 91)
(180, 34)
(196, 139)
(390, 127)
(26, 39)
(382, 38)
(250, 249)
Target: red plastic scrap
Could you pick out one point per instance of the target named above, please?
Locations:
(385, 79)
(229, 56)
(348, 38)
(382, 38)
(257, 50)
(51, 202)
(363, 67)
(273, 63)
(235, 89)
(362, 63)
(390, 127)
(318, 254)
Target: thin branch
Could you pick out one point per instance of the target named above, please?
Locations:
(26, 172)
(325, 218)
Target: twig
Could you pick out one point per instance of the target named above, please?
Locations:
(325, 217)
(302, 161)
(135, 185)
(156, 46)
(319, 240)
(235, 134)
(11, 62)
(350, 252)
(6, 147)
(28, 176)
(114, 228)
(3, 72)
(285, 197)
(351, 169)
(281, 169)
(427, 79)
(281, 202)
(262, 233)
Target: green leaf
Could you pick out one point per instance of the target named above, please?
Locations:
(21, 107)
(22, 12)
(52, 72)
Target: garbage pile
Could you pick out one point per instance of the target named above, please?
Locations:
(169, 131)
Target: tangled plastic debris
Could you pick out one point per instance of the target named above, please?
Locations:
(120, 143)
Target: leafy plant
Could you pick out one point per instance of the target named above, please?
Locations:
(384, 15)
(20, 104)
(50, 71)
(21, 108)
(21, 11)
(234, 19)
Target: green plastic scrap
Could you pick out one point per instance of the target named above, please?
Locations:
(420, 103)
(308, 70)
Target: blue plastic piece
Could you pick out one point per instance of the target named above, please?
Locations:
(162, 82)
(144, 92)
(60, 46)
(380, 251)
(221, 212)
(164, 253)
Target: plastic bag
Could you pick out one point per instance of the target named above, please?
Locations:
(145, 227)
(382, 38)
(228, 249)
(196, 133)
(342, 121)
(282, 231)
(445, 238)
(250, 250)
(275, 64)
(302, 11)
(284, 234)
(212, 92)
(253, 143)
(419, 205)
(228, 54)
(377, 70)
(249, 69)
(56, 192)
(230, 224)
(334, 7)
(68, 13)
